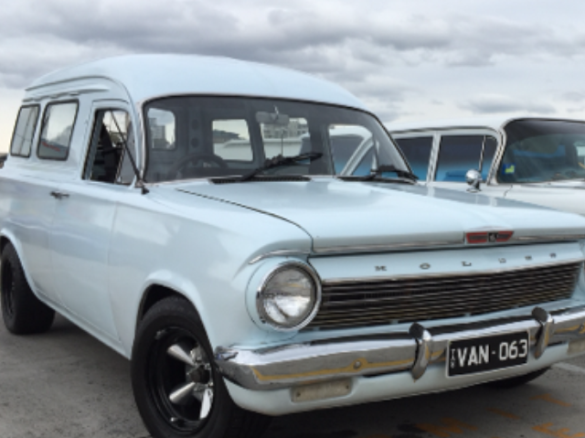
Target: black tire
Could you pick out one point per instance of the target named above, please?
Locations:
(513, 382)
(156, 373)
(23, 313)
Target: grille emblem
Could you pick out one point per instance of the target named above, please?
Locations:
(466, 263)
(425, 266)
(488, 237)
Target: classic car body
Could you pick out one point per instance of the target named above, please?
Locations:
(531, 159)
(400, 277)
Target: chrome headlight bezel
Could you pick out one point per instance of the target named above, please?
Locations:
(312, 276)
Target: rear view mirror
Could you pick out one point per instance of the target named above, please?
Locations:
(272, 118)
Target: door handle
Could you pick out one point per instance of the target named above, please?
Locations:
(59, 195)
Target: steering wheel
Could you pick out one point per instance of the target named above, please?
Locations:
(198, 160)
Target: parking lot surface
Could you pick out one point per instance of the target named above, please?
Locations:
(67, 384)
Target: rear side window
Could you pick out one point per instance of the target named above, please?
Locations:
(24, 131)
(418, 153)
(58, 123)
(460, 153)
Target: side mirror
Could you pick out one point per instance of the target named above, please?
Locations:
(473, 178)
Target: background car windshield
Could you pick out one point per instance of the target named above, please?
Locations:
(543, 150)
(203, 137)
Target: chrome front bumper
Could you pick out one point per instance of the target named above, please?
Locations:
(297, 364)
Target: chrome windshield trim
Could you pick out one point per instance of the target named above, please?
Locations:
(340, 281)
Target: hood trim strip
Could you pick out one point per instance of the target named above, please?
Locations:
(409, 246)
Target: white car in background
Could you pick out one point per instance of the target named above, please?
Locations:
(537, 160)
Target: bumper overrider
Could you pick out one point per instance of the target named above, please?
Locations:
(330, 360)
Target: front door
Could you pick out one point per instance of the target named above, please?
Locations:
(84, 217)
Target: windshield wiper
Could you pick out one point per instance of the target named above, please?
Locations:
(376, 174)
(279, 161)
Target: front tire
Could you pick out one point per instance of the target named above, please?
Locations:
(177, 387)
(23, 313)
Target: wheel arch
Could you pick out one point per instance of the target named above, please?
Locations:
(6, 237)
(155, 293)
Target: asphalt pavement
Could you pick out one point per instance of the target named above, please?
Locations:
(66, 384)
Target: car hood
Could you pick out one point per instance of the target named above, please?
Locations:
(342, 215)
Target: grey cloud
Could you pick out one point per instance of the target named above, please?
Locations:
(492, 104)
(307, 37)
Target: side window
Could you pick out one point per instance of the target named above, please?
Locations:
(460, 153)
(284, 138)
(58, 124)
(162, 129)
(417, 151)
(106, 158)
(24, 131)
(231, 140)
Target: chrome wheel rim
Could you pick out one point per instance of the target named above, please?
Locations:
(181, 380)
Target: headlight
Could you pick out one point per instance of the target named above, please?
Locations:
(289, 297)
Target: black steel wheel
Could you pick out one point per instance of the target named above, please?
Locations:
(180, 379)
(23, 313)
(177, 387)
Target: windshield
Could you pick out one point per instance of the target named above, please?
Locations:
(206, 137)
(543, 150)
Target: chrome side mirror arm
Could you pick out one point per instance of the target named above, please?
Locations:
(473, 178)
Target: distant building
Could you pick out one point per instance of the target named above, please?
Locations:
(295, 128)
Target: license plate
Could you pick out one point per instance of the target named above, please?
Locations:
(479, 355)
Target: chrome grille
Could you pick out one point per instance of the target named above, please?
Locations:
(364, 303)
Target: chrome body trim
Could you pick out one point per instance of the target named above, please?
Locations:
(316, 304)
(423, 353)
(340, 281)
(348, 250)
(295, 364)
(546, 321)
(279, 253)
(338, 250)
(545, 239)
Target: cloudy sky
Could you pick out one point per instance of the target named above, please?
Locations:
(408, 60)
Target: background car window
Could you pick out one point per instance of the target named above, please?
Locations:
(106, 151)
(24, 131)
(489, 152)
(366, 163)
(345, 140)
(58, 124)
(162, 129)
(460, 153)
(418, 153)
(284, 139)
(231, 140)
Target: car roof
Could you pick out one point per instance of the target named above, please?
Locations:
(495, 123)
(149, 76)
